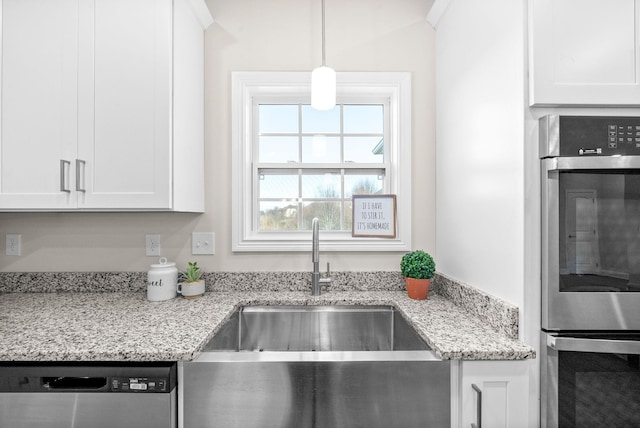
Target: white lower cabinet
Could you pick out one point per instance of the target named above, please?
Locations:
(102, 105)
(490, 394)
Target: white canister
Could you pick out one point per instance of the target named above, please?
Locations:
(162, 281)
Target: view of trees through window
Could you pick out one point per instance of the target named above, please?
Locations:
(311, 163)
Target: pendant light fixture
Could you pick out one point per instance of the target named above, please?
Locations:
(323, 81)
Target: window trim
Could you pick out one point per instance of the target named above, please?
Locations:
(247, 85)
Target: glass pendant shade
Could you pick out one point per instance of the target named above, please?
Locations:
(323, 88)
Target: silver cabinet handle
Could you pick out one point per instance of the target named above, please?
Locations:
(478, 423)
(79, 163)
(64, 169)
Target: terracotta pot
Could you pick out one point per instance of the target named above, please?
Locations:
(417, 289)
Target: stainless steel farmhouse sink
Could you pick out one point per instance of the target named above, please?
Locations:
(317, 328)
(315, 366)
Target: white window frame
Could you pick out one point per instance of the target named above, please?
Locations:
(396, 86)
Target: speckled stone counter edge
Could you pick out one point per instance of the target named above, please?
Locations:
(499, 315)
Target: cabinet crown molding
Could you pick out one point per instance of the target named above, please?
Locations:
(201, 13)
(437, 11)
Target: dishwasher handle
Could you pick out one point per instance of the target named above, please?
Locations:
(72, 383)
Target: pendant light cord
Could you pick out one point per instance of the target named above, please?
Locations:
(323, 78)
(323, 50)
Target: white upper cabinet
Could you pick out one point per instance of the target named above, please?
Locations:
(584, 52)
(124, 115)
(97, 112)
(38, 111)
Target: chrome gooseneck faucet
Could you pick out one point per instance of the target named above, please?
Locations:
(316, 281)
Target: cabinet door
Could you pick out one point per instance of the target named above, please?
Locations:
(502, 393)
(38, 94)
(585, 52)
(125, 104)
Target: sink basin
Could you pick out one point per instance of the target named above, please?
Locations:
(316, 328)
(315, 366)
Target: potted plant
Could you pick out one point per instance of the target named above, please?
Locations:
(417, 268)
(192, 285)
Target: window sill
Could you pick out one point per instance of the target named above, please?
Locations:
(327, 244)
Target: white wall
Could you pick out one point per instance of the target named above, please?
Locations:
(480, 102)
(487, 207)
(248, 35)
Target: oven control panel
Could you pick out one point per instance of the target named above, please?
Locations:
(599, 136)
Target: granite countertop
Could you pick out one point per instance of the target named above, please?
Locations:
(109, 326)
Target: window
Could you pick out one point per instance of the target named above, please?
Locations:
(292, 163)
(309, 163)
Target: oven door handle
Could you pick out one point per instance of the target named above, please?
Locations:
(602, 346)
(592, 162)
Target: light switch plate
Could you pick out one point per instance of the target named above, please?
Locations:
(203, 243)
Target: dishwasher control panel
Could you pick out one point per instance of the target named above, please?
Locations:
(139, 384)
(65, 377)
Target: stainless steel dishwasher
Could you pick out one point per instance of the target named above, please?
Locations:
(96, 395)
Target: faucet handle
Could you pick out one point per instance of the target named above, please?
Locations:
(328, 271)
(326, 281)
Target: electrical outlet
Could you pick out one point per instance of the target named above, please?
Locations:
(14, 244)
(153, 245)
(203, 243)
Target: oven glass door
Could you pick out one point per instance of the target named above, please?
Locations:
(598, 212)
(591, 382)
(591, 236)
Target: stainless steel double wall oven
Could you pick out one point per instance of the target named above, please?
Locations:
(590, 348)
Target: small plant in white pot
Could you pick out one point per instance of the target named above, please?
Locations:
(192, 285)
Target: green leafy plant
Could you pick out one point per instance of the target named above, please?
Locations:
(192, 273)
(417, 264)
